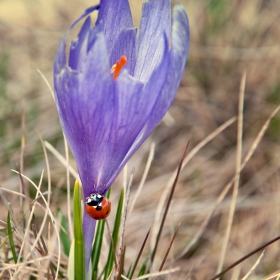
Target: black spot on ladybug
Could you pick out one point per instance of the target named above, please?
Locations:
(92, 203)
(98, 208)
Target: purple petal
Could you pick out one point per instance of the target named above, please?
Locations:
(180, 47)
(60, 57)
(170, 71)
(92, 35)
(125, 45)
(85, 14)
(85, 105)
(178, 59)
(78, 49)
(89, 229)
(126, 123)
(135, 111)
(155, 25)
(115, 16)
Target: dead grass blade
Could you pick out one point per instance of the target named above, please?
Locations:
(169, 247)
(120, 264)
(7, 266)
(124, 215)
(134, 265)
(73, 172)
(49, 213)
(237, 172)
(156, 274)
(167, 206)
(274, 275)
(113, 247)
(49, 199)
(22, 148)
(245, 257)
(253, 267)
(144, 177)
(47, 83)
(44, 249)
(24, 249)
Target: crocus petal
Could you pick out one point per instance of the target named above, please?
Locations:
(136, 110)
(115, 15)
(84, 104)
(134, 102)
(85, 14)
(78, 49)
(174, 63)
(154, 26)
(79, 105)
(178, 58)
(60, 57)
(126, 118)
(125, 45)
(180, 47)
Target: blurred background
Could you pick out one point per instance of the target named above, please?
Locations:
(227, 38)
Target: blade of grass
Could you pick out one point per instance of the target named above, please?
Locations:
(43, 248)
(34, 227)
(245, 257)
(115, 234)
(24, 248)
(48, 212)
(144, 177)
(97, 245)
(143, 267)
(167, 207)
(156, 274)
(120, 264)
(61, 159)
(79, 247)
(237, 172)
(71, 262)
(254, 266)
(66, 243)
(122, 227)
(123, 261)
(35, 233)
(169, 247)
(133, 267)
(23, 188)
(11, 240)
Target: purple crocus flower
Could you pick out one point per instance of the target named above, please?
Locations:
(106, 118)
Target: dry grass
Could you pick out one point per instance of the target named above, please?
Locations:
(218, 223)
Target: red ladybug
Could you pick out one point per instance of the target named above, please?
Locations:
(98, 207)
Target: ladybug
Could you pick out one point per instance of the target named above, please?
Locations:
(98, 207)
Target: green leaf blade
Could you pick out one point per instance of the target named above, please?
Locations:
(66, 243)
(11, 240)
(79, 247)
(115, 237)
